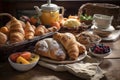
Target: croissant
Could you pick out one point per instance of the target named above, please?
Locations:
(3, 38)
(52, 29)
(50, 48)
(16, 29)
(40, 30)
(4, 30)
(29, 31)
(16, 37)
(69, 42)
(34, 27)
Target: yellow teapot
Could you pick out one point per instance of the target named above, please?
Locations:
(49, 13)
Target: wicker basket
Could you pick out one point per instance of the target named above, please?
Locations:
(102, 8)
(28, 45)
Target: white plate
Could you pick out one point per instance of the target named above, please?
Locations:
(82, 56)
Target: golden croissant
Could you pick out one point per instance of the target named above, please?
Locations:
(16, 33)
(69, 42)
(29, 31)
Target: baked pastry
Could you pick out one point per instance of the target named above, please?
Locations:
(40, 30)
(15, 29)
(87, 38)
(29, 31)
(71, 23)
(4, 30)
(50, 48)
(16, 37)
(3, 38)
(68, 40)
(52, 29)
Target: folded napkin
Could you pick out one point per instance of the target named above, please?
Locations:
(89, 71)
(87, 68)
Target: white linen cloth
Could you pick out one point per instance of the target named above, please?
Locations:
(87, 69)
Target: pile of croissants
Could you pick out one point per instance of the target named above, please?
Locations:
(17, 31)
(60, 47)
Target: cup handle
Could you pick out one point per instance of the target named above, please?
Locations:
(63, 10)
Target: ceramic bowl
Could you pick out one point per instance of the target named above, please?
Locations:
(23, 67)
(100, 55)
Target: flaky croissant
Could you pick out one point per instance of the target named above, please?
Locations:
(3, 38)
(16, 31)
(16, 28)
(40, 30)
(29, 31)
(69, 42)
(4, 30)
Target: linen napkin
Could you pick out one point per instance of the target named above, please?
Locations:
(90, 71)
(87, 68)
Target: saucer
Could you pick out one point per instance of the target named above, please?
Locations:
(110, 28)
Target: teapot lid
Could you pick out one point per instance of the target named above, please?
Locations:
(49, 6)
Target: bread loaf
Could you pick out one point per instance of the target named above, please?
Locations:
(50, 48)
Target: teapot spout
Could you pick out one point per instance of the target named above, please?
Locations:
(38, 10)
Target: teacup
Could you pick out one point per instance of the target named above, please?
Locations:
(102, 21)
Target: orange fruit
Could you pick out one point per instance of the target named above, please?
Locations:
(33, 20)
(56, 24)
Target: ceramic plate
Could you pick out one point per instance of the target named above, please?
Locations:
(82, 56)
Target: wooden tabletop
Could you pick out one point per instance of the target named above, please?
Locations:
(111, 64)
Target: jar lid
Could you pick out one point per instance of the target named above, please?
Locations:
(49, 7)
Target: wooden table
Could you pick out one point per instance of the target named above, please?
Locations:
(110, 65)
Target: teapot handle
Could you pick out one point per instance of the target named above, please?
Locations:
(63, 10)
(38, 10)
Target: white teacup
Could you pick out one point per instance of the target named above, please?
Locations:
(102, 21)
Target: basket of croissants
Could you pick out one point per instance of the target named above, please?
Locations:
(17, 35)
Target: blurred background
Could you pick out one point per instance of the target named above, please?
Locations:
(26, 7)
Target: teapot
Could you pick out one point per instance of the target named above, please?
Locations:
(49, 13)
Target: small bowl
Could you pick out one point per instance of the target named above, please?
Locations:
(23, 67)
(100, 55)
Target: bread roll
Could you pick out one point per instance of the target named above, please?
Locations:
(50, 48)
